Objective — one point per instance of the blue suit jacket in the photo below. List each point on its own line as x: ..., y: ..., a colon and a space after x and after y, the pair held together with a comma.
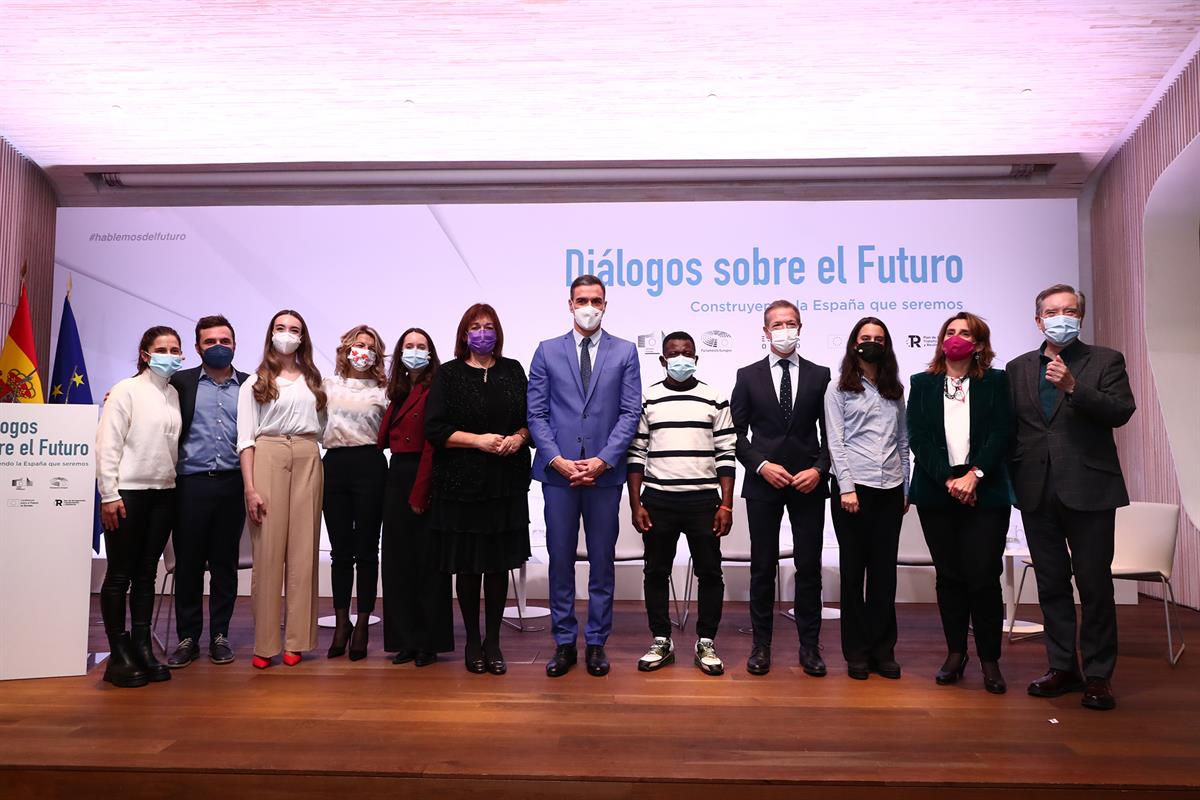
x: 564, y: 422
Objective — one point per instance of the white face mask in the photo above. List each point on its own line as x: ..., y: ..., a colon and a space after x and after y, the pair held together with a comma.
x: 361, y: 358
x: 285, y: 342
x: 588, y: 317
x: 784, y: 339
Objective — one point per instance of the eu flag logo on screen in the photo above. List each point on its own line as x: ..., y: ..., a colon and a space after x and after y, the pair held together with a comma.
x: 69, y: 383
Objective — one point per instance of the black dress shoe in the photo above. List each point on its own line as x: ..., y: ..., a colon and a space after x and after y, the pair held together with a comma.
x: 993, y: 681
x: 185, y: 653
x: 759, y: 662
x: 597, y: 660
x: 404, y: 656
x: 1098, y: 695
x: 563, y: 659
x: 952, y: 669
x: 811, y: 661
x: 474, y: 659
x: 143, y: 654
x: 424, y: 658
x: 494, y: 659
x: 1056, y: 683
x: 219, y: 650
x: 885, y: 668
x: 859, y: 670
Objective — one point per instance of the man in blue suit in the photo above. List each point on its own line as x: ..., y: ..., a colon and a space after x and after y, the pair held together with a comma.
x: 585, y: 393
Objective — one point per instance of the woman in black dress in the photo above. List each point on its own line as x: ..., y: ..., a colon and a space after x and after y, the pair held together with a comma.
x: 479, y: 512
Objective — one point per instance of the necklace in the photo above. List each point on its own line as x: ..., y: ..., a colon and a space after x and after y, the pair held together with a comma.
x: 953, y: 388
x: 477, y: 365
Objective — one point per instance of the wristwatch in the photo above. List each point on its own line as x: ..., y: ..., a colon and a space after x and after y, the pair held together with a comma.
x: 978, y: 473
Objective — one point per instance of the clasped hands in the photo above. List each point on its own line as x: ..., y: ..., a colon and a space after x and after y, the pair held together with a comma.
x: 803, y: 481
x: 580, y: 473
x: 962, y: 489
x: 499, y: 445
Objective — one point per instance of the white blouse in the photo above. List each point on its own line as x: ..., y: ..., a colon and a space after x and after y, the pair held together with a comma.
x: 355, y: 408
x: 137, y: 443
x: 957, y: 412
x: 292, y: 413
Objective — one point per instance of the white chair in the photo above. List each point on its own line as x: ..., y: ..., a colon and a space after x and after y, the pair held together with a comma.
x: 735, y: 549
x: 913, y: 551
x: 1145, y: 551
x: 245, y: 561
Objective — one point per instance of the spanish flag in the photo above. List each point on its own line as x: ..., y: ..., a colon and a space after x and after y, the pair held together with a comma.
x: 19, y: 381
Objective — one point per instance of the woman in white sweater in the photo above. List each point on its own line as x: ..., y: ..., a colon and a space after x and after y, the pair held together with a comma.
x: 136, y: 448
x: 356, y: 472
x: 281, y: 415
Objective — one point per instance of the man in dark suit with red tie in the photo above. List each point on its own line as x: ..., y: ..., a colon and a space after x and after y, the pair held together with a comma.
x: 778, y: 411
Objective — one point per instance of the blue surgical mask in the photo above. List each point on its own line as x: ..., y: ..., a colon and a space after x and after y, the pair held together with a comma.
x: 681, y: 368
x: 165, y: 364
x: 218, y: 356
x: 415, y: 358
x: 1061, y: 330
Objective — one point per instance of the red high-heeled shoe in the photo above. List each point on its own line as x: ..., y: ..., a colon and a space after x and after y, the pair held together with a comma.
x: 258, y: 662
x: 292, y: 659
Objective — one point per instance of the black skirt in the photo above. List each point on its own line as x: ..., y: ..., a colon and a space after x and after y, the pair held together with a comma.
x: 477, y: 537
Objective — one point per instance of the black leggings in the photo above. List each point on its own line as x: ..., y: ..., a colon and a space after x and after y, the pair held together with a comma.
x: 133, y: 550
x: 353, y: 504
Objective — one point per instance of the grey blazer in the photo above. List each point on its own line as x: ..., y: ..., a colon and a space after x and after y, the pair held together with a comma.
x: 1075, y: 446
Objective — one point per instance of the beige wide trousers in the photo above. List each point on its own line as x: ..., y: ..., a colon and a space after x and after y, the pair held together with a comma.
x: 289, y: 477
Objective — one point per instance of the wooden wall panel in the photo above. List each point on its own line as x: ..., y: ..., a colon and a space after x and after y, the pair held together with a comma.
x: 1118, y: 308
x: 28, y: 211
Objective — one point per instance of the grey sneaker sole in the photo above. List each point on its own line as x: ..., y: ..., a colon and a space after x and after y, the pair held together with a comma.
x: 644, y: 666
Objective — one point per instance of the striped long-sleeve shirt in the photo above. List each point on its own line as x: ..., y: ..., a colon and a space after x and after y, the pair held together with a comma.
x: 684, y: 443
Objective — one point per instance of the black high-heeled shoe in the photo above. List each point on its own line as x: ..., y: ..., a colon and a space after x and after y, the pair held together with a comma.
x: 952, y: 669
x: 341, y: 633
x: 360, y: 638
x: 993, y: 681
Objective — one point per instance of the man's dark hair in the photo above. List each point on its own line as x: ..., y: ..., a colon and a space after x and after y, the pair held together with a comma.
x: 214, y: 321
x: 682, y: 336
x: 588, y: 280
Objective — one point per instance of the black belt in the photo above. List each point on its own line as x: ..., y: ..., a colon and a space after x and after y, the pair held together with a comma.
x: 213, y: 473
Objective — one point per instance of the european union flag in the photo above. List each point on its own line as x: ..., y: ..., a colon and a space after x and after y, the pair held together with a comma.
x: 69, y: 382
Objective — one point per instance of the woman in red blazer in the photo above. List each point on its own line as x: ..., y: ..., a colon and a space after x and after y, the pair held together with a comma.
x: 417, y: 617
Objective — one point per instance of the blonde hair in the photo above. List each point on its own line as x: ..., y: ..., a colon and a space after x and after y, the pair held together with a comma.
x: 341, y: 360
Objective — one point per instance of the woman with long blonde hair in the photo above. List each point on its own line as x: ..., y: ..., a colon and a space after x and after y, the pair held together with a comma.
x: 281, y: 416
x: 357, y: 470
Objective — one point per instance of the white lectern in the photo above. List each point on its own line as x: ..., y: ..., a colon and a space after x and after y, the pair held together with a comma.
x: 47, y: 499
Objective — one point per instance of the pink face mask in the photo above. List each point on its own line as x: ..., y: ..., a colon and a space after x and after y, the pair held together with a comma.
x: 957, y: 348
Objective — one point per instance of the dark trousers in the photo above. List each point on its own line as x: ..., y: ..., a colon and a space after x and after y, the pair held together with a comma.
x: 867, y: 546
x: 417, y: 610
x: 661, y: 542
x: 133, y: 550
x: 967, y: 545
x: 353, y: 506
x: 1050, y: 531
x: 807, y: 515
x: 208, y: 531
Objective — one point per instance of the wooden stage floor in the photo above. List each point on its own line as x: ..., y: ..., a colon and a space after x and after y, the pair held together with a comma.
x: 370, y: 729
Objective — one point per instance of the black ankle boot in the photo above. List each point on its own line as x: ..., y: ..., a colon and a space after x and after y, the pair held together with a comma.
x: 143, y: 654
x: 362, y: 635
x: 122, y: 670
x: 341, y: 633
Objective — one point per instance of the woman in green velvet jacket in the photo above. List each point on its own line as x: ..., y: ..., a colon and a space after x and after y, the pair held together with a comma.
x: 959, y: 427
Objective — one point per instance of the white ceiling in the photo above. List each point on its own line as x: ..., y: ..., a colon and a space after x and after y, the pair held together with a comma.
x: 251, y: 81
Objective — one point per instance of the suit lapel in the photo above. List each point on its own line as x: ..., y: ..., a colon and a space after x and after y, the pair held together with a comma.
x: 416, y: 392
x: 1032, y: 380
x: 568, y: 344
x: 597, y: 365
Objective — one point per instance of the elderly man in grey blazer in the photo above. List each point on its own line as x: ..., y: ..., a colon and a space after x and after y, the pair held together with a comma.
x: 1067, y: 397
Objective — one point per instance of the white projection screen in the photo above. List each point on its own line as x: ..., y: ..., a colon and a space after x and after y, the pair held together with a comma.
x: 705, y: 268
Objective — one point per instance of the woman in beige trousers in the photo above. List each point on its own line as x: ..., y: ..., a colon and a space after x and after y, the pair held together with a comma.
x: 281, y: 416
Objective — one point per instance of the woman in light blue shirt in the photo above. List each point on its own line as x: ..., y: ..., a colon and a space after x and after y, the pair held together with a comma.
x: 868, y: 447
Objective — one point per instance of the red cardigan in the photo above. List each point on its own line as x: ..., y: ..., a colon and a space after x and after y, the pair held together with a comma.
x: 403, y: 431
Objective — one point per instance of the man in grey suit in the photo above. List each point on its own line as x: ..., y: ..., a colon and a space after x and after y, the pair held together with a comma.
x: 1067, y: 397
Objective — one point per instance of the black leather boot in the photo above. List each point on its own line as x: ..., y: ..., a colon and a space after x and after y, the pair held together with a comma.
x: 122, y: 670
x: 143, y: 654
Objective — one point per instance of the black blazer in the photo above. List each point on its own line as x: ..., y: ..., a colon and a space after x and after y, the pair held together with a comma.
x: 761, y: 435
x: 991, y: 432
x: 1075, y: 446
x: 186, y: 382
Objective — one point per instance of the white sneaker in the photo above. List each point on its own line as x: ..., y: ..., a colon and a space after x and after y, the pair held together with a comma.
x: 661, y: 653
x: 707, y: 659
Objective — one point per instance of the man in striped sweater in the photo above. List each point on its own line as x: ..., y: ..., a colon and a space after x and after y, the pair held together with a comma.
x: 682, y: 464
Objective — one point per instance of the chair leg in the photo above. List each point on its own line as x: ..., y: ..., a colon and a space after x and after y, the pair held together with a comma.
x: 1173, y: 655
x: 1017, y: 603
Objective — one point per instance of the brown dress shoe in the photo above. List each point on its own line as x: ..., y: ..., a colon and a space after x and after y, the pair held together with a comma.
x: 1056, y: 683
x: 1098, y: 695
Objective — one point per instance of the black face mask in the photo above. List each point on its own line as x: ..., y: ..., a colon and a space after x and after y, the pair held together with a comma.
x: 870, y: 352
